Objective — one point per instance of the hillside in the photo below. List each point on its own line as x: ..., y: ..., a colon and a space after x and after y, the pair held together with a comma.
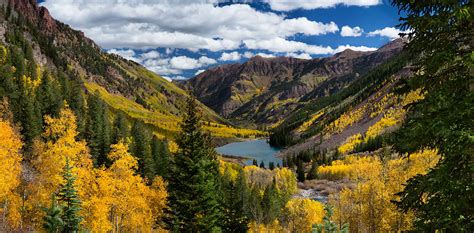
x: 266, y: 90
x: 124, y: 85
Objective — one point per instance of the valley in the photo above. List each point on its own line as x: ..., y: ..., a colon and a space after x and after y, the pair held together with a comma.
x: 152, y: 124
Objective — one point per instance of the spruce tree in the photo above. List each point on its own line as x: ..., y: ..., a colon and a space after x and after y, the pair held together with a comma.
x: 98, y: 132
x: 441, y: 39
x: 140, y: 148
x: 194, y: 201
x: 70, y: 202
x: 300, y: 171
x: 160, y: 155
x: 271, y: 203
x: 235, y: 195
x: 52, y: 221
x: 120, y: 127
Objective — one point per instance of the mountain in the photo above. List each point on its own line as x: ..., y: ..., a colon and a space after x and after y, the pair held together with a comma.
x: 123, y: 84
x: 266, y: 90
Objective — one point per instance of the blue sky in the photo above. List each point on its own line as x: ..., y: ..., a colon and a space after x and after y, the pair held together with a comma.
x: 180, y: 38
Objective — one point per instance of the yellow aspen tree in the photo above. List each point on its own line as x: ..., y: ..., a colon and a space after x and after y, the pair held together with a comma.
x: 302, y: 213
x: 10, y: 171
x: 50, y: 157
x: 131, y: 208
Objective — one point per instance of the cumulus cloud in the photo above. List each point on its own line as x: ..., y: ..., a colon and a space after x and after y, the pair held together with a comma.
x: 353, y: 32
x: 389, y: 32
x: 289, y: 5
x: 232, y: 56
x: 299, y: 55
x: 193, y: 25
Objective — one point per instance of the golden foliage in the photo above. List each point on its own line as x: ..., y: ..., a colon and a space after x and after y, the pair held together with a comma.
x: 309, y: 122
x: 301, y: 214
x: 368, y: 207
x: 10, y: 171
x: 350, y: 143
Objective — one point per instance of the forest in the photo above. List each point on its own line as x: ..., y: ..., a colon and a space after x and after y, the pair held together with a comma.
x: 72, y: 162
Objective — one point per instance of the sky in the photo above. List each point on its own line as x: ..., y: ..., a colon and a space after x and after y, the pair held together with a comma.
x: 178, y: 39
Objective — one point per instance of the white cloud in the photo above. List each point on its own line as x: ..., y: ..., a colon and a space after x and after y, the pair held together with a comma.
x: 150, y: 55
x: 341, y: 48
x: 167, y: 78
x: 286, y: 46
x: 203, y: 61
x: 248, y: 54
x: 193, y: 25
x: 233, y: 56
x: 179, y: 77
x: 289, y: 5
x: 125, y: 53
x: 299, y: 55
x: 353, y: 32
x: 266, y: 55
x: 389, y: 32
x: 199, y: 71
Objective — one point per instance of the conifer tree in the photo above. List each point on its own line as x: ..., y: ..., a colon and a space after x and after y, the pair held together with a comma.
x: 300, y: 171
x: 120, y: 128
x: 70, y: 202
x: 271, y: 203
x: 262, y: 164
x: 53, y: 222
x: 140, y: 148
x: 160, y: 155
x: 235, y: 196
x: 194, y: 200
x: 98, y: 131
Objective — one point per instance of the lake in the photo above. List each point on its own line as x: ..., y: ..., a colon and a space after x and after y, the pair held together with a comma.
x: 253, y: 149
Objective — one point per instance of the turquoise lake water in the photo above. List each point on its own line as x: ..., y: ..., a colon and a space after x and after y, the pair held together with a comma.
x: 254, y: 149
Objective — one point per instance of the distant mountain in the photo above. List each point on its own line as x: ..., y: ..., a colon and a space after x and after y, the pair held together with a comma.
x: 124, y: 85
x: 265, y: 90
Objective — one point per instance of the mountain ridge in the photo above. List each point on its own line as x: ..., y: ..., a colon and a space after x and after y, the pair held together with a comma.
x: 255, y: 90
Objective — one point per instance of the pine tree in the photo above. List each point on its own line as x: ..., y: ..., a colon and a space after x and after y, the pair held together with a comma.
x: 193, y: 185
x: 255, y: 163
x: 70, y: 202
x: 313, y: 172
x: 441, y: 37
x: 49, y: 95
x: 53, y: 222
x: 160, y: 155
x: 300, y: 171
x: 140, y: 148
x: 271, y: 165
x: 120, y: 128
x: 262, y: 164
x: 98, y: 132
x: 271, y: 203
x: 235, y: 196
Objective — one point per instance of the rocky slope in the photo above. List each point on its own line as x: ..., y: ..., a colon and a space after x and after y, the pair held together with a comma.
x: 265, y: 90
x: 124, y: 85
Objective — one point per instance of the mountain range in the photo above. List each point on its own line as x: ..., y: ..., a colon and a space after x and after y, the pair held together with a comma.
x: 265, y: 90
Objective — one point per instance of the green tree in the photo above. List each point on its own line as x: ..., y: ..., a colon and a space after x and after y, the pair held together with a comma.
x: 98, y: 132
x: 194, y: 200
x: 161, y: 156
x: 52, y: 221
x: 271, y: 203
x: 441, y: 41
x: 235, y: 196
x: 313, y: 172
x: 300, y: 171
x: 70, y: 202
x: 329, y: 226
x: 49, y: 95
x: 140, y: 148
x: 120, y: 127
